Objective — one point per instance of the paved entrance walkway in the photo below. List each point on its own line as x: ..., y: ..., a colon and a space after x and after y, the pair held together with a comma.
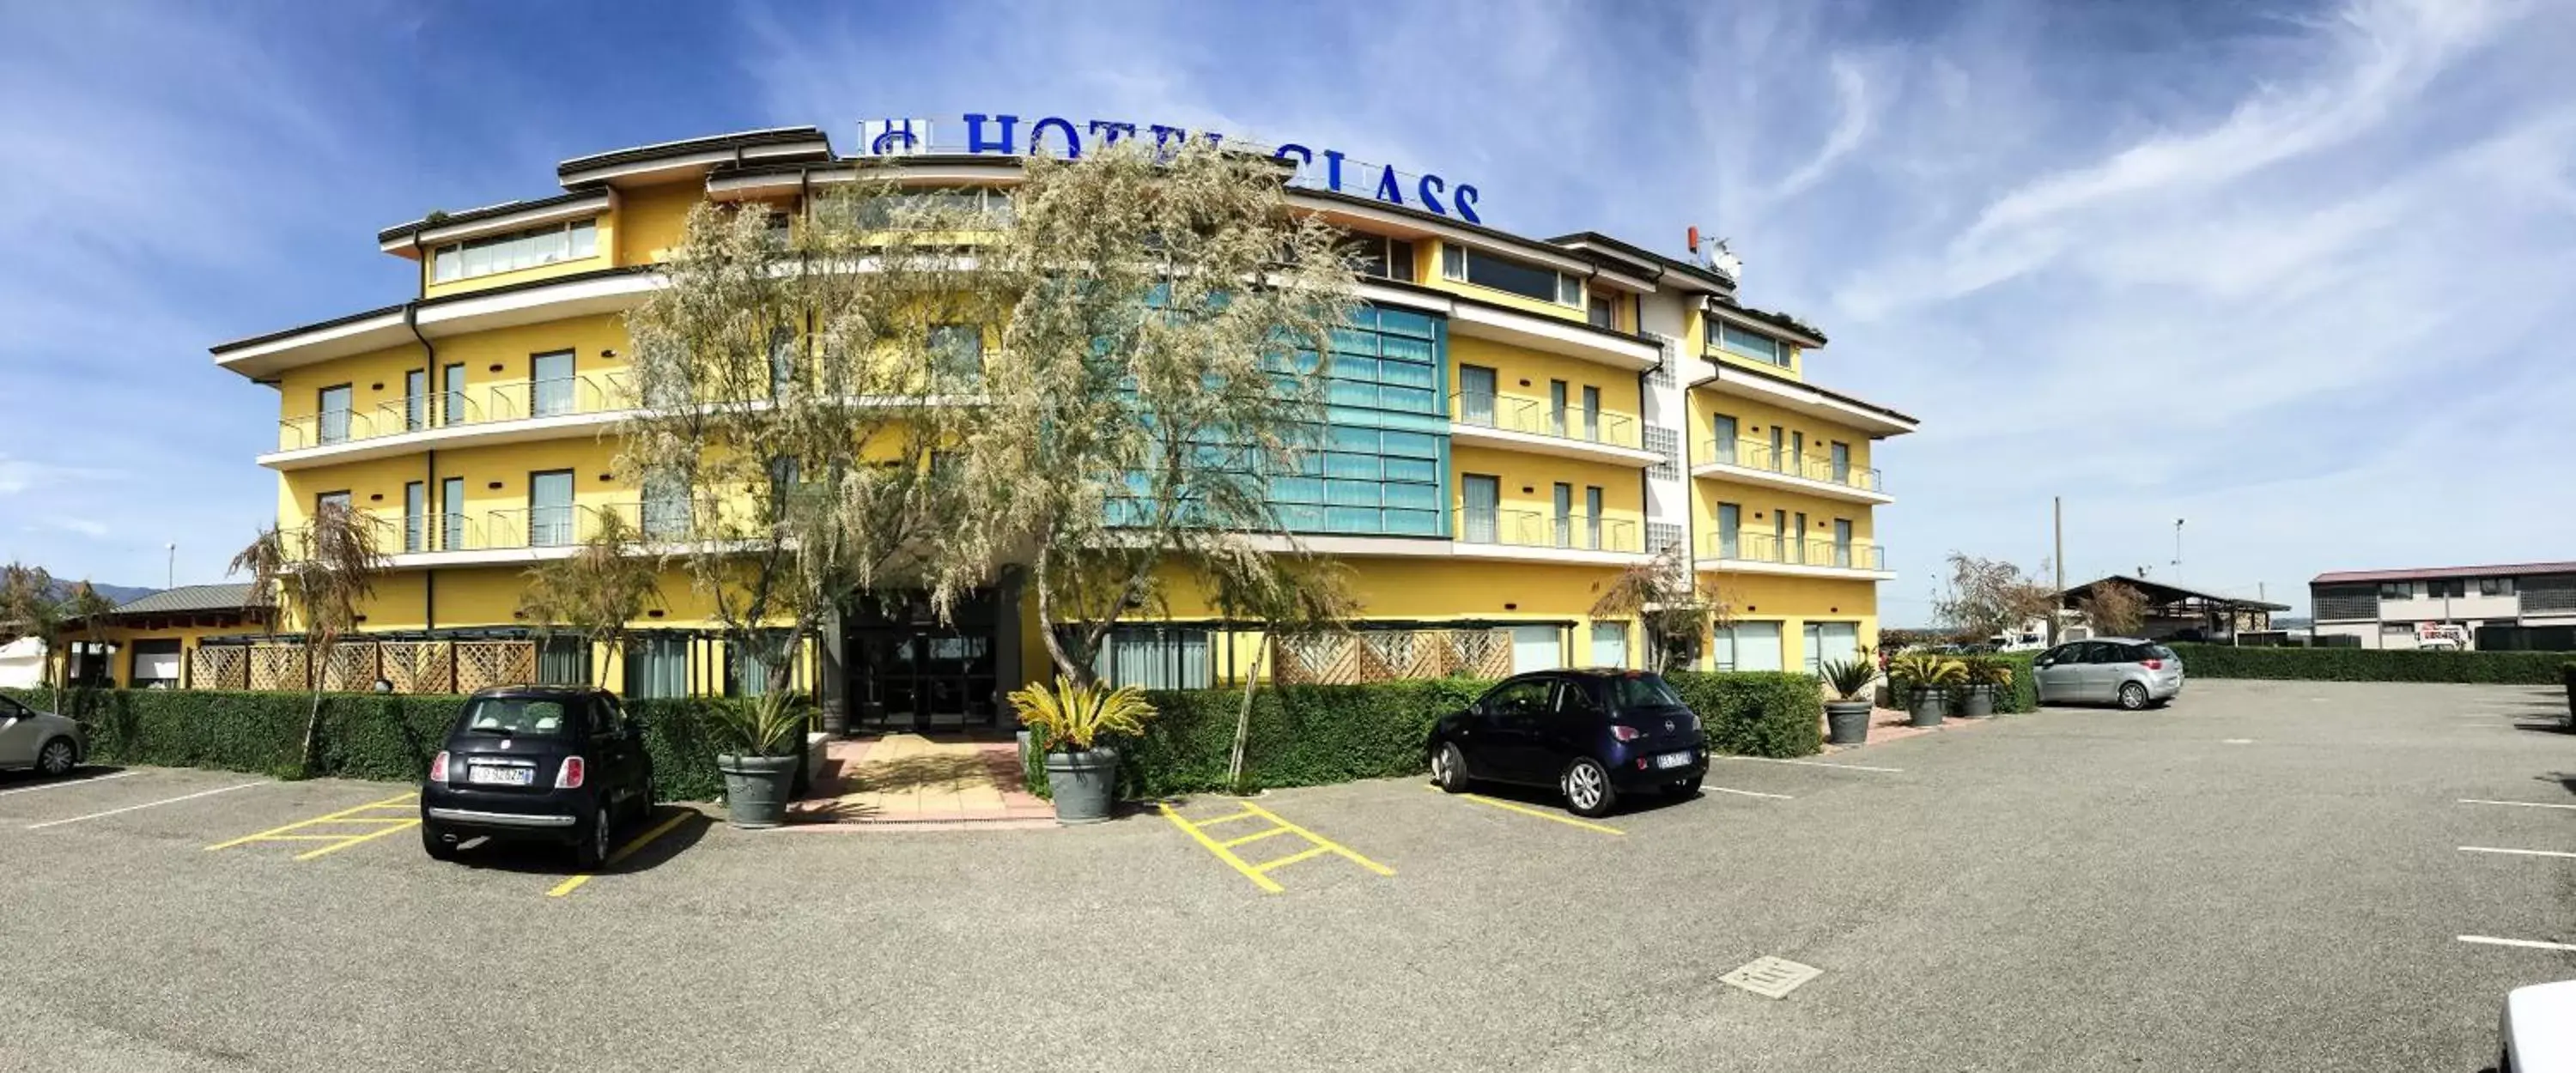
x: 910, y: 779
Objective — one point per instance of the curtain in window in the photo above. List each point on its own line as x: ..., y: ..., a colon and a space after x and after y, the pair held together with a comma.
x: 657, y: 665
x: 563, y: 661
x: 1155, y: 657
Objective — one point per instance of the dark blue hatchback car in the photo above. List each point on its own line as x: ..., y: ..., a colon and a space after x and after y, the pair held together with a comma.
x: 1592, y: 734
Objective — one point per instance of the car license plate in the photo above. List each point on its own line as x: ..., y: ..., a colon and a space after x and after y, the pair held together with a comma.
x: 1680, y: 759
x: 501, y: 776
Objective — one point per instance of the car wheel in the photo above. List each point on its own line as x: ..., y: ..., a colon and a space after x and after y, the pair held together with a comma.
x: 2133, y: 696
x: 57, y: 757
x: 592, y: 850
x: 1587, y: 787
x: 1449, y: 768
x: 433, y: 841
x: 1686, y: 788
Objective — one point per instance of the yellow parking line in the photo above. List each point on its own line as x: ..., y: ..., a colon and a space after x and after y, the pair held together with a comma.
x: 1543, y: 814
x: 1310, y: 851
x: 1254, y: 837
x: 275, y: 832
x: 370, y: 836
x: 1320, y: 840
x: 1227, y: 816
x: 574, y: 883
x: 1222, y: 853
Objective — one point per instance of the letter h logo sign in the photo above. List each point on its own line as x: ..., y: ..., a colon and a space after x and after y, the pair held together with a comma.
x: 893, y: 137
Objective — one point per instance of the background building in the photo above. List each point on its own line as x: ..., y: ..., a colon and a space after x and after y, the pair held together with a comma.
x: 2503, y: 606
x: 2175, y: 613
x: 1514, y: 420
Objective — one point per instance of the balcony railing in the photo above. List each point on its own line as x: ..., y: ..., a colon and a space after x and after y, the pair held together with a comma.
x: 1743, y: 547
x: 512, y: 400
x: 1532, y: 529
x: 1539, y: 418
x: 1755, y: 454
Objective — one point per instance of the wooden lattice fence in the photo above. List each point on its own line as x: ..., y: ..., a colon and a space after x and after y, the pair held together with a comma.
x: 1388, y: 655
x: 278, y: 667
x: 484, y: 664
x: 219, y: 667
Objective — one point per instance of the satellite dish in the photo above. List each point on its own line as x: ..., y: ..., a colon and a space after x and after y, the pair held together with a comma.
x: 1725, y: 260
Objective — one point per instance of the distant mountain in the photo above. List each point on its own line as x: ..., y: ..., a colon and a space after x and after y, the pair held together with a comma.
x: 115, y: 594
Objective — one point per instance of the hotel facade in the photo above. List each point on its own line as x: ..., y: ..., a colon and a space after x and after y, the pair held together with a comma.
x: 1514, y: 421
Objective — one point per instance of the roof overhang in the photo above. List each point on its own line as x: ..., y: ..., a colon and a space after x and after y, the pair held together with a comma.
x: 1808, y: 399
x: 1502, y: 324
x: 672, y: 161
x: 574, y: 296
x: 407, y: 239
x: 1743, y: 318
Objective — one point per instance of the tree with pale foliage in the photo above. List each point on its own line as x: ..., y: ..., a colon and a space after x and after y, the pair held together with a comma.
x: 319, y: 576
x: 1166, y: 323
x: 794, y: 389
x: 1673, y: 601
x: 599, y: 591
x: 2114, y: 609
x: 33, y: 604
x: 1992, y: 596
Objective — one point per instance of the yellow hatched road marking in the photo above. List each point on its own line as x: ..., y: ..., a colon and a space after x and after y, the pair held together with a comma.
x: 638, y: 842
x: 368, y: 837
x: 279, y: 833
x: 1254, y: 837
x: 1320, y: 840
x: 1228, y: 816
x: 1543, y: 814
x: 1310, y: 851
x: 1222, y: 853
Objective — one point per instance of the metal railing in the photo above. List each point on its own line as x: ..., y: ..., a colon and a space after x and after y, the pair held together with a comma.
x: 1744, y: 547
x: 1513, y: 413
x: 1755, y: 454
x: 1534, y: 529
x: 509, y: 400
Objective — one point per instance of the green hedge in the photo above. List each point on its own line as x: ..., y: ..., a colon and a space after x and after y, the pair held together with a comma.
x: 1756, y: 713
x: 2371, y: 665
x: 382, y: 737
x: 1313, y: 735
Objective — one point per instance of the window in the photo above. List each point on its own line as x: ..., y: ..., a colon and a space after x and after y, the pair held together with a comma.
x: 451, y: 506
x: 1556, y: 407
x: 1723, y: 435
x: 1592, y: 414
x: 1476, y: 395
x: 957, y: 349
x: 1841, y: 454
x: 782, y: 359
x: 550, y: 384
x: 1730, y: 520
x: 550, y: 509
x: 1592, y: 517
x: 913, y: 208
x: 657, y: 665
x: 1483, y: 495
x: 2396, y: 590
x: 1564, y: 502
x: 522, y: 717
x: 2446, y: 588
x: 1155, y: 657
x: 747, y: 673
x: 1747, y: 344
x: 333, y: 425
x: 1842, y: 542
x: 1749, y: 646
x: 666, y: 506
x: 415, y: 514
x: 563, y: 661
x: 1576, y: 701
x: 1528, y: 696
x: 451, y: 409
x: 1461, y: 264
x: 2397, y: 629
x: 515, y: 250
x: 1610, y: 644
x: 2495, y: 586
x: 1605, y: 311
x: 331, y: 500
x: 415, y: 400
x: 1382, y: 257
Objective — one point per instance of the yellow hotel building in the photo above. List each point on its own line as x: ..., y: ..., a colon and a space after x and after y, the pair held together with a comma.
x: 1515, y: 420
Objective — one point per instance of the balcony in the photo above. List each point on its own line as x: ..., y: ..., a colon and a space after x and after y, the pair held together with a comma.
x: 1763, y: 553
x: 520, y: 534
x: 1531, y: 425
x: 1530, y: 536
x: 503, y: 412
x: 1755, y: 462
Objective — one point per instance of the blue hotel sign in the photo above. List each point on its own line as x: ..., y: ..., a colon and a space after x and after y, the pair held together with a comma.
x: 1002, y: 134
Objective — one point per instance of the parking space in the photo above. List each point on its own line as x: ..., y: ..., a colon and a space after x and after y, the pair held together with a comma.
x: 2266, y: 874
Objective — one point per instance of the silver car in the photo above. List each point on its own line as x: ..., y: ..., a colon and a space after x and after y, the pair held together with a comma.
x: 41, y: 740
x: 2109, y: 670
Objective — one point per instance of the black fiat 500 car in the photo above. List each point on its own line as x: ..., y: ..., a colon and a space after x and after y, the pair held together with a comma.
x: 1592, y: 734
x: 563, y: 764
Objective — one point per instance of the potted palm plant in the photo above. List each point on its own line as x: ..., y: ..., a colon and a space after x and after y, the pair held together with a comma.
x: 1847, y: 714
x: 756, y: 751
x: 1983, y: 675
x: 1069, y: 722
x: 1928, y: 680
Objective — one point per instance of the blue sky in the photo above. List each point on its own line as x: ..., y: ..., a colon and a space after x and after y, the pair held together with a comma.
x: 2300, y: 274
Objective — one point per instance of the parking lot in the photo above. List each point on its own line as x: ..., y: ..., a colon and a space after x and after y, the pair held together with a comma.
x: 2264, y: 875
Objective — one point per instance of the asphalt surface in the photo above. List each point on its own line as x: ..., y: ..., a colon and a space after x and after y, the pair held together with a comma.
x: 2265, y: 875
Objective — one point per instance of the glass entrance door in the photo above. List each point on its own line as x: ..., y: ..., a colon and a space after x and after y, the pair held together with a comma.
x: 907, y: 671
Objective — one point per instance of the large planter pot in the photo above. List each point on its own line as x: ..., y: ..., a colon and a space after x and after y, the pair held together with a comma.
x: 756, y: 788
x: 1979, y: 703
x: 1930, y: 704
x: 1083, y: 784
x: 1847, y: 722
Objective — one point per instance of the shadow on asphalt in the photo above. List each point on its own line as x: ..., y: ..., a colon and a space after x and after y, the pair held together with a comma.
x: 11, y: 780
x: 1631, y: 803
x: 546, y: 858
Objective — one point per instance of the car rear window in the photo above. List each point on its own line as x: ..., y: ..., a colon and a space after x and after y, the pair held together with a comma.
x: 535, y: 717
x: 2161, y: 652
x: 1640, y: 690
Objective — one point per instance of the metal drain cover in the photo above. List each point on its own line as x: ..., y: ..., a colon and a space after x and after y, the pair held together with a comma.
x: 1772, y: 977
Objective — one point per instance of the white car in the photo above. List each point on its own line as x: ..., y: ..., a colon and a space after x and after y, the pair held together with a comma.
x: 41, y: 740
x: 2539, y: 1029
